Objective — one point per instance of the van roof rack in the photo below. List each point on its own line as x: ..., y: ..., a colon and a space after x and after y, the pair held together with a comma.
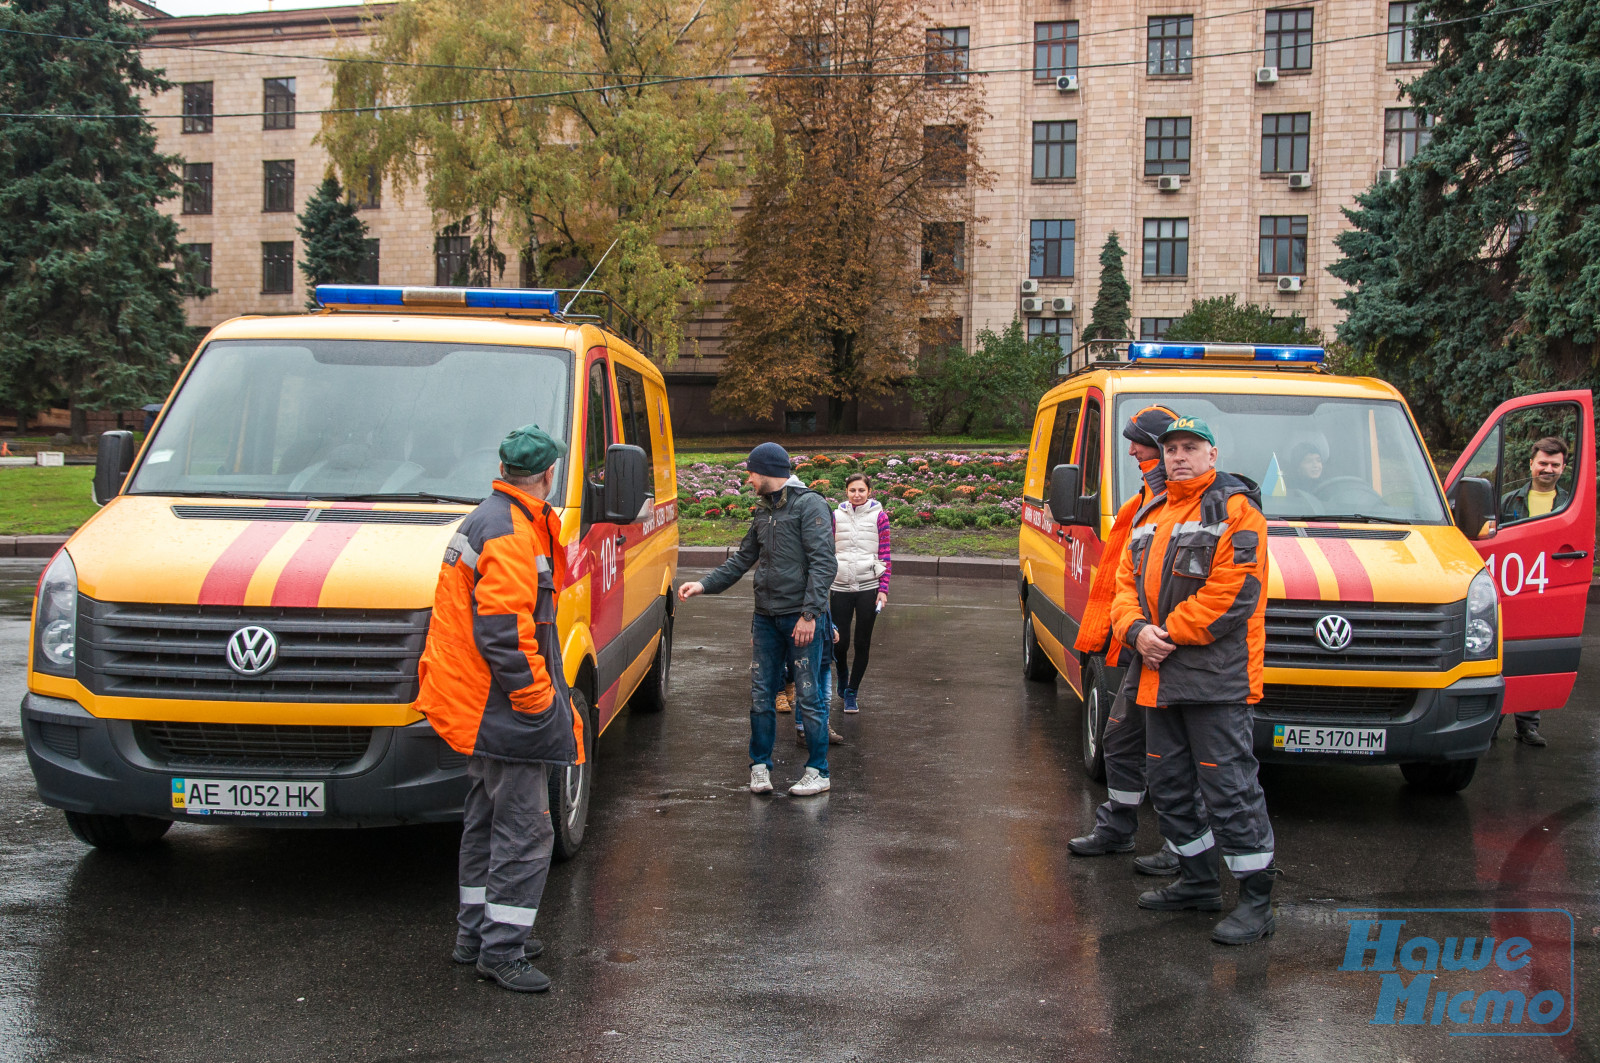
x: 1120, y: 355
x: 594, y: 306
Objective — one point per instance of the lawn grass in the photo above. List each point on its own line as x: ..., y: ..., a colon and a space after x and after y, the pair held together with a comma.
x: 39, y: 501
x: 931, y: 541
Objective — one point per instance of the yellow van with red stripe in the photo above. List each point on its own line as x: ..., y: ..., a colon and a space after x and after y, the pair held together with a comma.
x: 1384, y: 625
x: 234, y: 636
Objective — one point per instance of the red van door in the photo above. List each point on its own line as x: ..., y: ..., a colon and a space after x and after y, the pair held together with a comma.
x: 1538, y: 452
x: 603, y: 542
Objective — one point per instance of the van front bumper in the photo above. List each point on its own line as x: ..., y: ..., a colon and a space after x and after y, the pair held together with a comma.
x: 83, y: 763
x: 1456, y: 722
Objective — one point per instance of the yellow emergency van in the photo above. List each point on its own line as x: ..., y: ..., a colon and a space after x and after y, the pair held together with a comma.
x: 1384, y: 622
x: 233, y: 638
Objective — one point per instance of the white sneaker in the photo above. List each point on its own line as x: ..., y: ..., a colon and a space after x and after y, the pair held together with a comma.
x: 812, y: 782
x: 760, y: 779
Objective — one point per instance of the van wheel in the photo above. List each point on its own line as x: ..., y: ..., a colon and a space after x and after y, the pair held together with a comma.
x: 117, y: 833
x: 1036, y: 667
x: 651, y: 696
x: 1450, y: 777
x: 571, y: 786
x: 1096, y: 700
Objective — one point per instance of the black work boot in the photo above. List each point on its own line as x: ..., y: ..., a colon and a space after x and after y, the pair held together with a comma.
x: 1198, y: 889
x: 519, y: 975
x: 1253, y: 919
x: 467, y: 954
x: 1161, y: 862
x: 1097, y: 844
x: 1530, y: 736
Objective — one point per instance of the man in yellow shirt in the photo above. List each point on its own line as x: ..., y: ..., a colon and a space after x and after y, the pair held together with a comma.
x: 1541, y: 496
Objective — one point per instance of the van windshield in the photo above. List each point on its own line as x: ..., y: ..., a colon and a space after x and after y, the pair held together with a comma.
x: 1315, y: 458
x: 351, y: 419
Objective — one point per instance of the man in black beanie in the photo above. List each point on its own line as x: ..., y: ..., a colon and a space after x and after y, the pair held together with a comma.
x: 790, y: 544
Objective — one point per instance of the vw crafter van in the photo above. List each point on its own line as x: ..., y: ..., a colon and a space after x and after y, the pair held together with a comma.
x: 1403, y: 615
x: 233, y: 638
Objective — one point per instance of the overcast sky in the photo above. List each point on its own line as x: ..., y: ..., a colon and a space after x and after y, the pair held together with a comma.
x: 233, y: 7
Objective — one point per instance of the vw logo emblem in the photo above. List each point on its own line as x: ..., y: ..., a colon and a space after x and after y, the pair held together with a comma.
x: 1334, y: 632
x: 252, y: 650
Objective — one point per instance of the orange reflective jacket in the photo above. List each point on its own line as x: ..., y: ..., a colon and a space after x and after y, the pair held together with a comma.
x: 1196, y: 565
x: 1094, y: 633
x: 491, y: 678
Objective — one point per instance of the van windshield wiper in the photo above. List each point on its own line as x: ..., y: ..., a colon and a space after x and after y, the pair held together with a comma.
x: 217, y: 494
x: 1346, y: 518
x: 403, y: 496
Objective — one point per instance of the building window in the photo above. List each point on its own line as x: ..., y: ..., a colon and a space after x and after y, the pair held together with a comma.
x: 452, y: 257
x: 369, y: 197
x: 277, y: 107
x: 197, y: 188
x: 1055, y: 150
x: 1055, y: 49
x: 1051, y: 246
x: 1057, y: 330
x: 946, y: 56
x: 1405, y: 133
x: 1166, y: 146
x: 936, y: 336
x: 1171, y: 45
x: 1166, y: 247
x: 1522, y: 223
x: 278, y: 186
x: 202, y: 273
x: 368, y: 273
x: 1283, y: 244
x: 944, y: 257
x: 1403, y: 46
x: 1152, y: 329
x: 277, y: 267
x: 944, y: 150
x: 1285, y: 143
x: 197, y: 107
x: 1289, y: 39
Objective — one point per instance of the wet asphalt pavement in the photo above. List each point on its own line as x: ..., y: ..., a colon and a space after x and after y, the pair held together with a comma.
x: 926, y: 909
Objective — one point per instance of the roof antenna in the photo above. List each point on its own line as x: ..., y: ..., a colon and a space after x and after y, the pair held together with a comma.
x: 590, y: 277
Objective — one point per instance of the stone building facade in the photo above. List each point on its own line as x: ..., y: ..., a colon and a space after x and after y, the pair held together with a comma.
x: 1219, y: 143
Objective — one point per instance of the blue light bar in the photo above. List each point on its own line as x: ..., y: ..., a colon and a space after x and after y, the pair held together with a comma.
x: 469, y: 298
x: 1224, y: 352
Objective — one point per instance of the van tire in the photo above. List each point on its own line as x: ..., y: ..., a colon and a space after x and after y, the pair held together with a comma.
x: 1096, y: 700
x: 651, y: 695
x: 1036, y: 666
x: 117, y: 833
x: 571, y: 788
x: 1451, y: 777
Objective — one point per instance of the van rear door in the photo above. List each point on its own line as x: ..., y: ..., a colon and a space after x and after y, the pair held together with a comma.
x: 1542, y: 561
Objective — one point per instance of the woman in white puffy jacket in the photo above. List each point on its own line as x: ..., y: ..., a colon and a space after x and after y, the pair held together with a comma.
x: 861, y: 588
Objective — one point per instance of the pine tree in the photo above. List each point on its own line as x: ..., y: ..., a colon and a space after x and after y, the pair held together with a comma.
x: 1109, y: 319
x: 92, y: 275
x: 1224, y: 319
x: 334, y: 238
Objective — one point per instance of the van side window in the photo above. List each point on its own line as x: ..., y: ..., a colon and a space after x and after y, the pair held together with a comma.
x: 595, y: 435
x: 1532, y: 482
x: 1089, y: 452
x: 635, y: 412
x: 1061, y: 437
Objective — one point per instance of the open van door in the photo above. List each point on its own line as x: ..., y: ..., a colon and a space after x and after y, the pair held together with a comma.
x: 1541, y: 552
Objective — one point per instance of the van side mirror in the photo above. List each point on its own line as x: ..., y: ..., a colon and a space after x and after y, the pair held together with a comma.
x: 1473, y: 503
x: 627, y: 483
x: 1066, y: 486
x: 111, y: 464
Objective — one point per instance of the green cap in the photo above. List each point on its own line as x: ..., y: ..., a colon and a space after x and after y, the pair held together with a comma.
x: 1193, y: 425
x: 529, y: 451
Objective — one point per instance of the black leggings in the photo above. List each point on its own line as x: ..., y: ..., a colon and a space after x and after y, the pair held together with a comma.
x: 861, y: 609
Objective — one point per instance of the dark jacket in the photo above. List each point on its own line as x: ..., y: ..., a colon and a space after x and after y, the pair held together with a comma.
x: 1514, y: 504
x: 790, y: 543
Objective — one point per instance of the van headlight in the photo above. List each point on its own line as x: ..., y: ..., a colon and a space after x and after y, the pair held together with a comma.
x: 55, y: 619
x: 1483, y: 618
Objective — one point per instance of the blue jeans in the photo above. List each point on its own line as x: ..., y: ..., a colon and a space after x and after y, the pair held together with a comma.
x: 772, y: 647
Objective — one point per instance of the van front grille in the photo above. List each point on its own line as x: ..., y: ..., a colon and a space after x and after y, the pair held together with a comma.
x: 1291, y: 701
x: 1386, y: 636
x: 232, y: 745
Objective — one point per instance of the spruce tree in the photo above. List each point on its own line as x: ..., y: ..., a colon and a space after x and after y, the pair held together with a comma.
x: 1223, y: 319
x: 334, y: 238
x: 92, y: 276
x: 1109, y: 319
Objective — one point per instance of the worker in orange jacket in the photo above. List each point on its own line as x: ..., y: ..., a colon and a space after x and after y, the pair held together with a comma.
x: 1191, y: 600
x: 1122, y: 741
x: 492, y: 686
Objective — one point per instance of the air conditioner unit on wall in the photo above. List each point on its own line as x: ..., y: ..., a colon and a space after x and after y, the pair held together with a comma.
x: 1169, y: 183
x: 1067, y: 83
x: 1299, y: 180
x: 1266, y: 75
x: 1289, y: 284
x: 1030, y: 287
x: 1033, y: 306
x: 1385, y: 176
x: 1061, y: 304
